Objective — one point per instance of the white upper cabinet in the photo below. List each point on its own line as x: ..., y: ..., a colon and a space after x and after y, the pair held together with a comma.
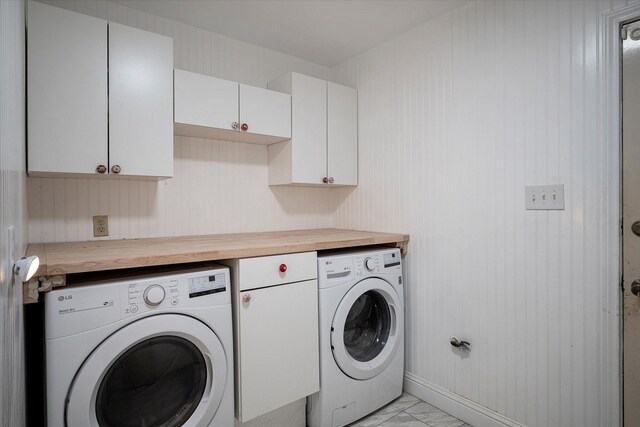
x: 342, y: 134
x: 204, y: 101
x: 67, y: 91
x: 140, y: 102
x: 208, y: 107
x: 265, y: 112
x: 324, y: 137
x: 100, y: 97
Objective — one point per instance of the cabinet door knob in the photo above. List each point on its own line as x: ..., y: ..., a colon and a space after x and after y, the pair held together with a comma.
x: 331, y: 180
x: 283, y: 268
x: 234, y: 125
x: 244, y: 127
x: 116, y: 168
x: 325, y: 180
x: 246, y: 297
x: 101, y: 169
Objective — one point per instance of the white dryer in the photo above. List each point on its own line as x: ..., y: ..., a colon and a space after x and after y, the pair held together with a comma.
x: 146, y: 350
x: 361, y: 309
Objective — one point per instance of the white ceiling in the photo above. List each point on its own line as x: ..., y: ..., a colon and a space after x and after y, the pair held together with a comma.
x: 326, y: 32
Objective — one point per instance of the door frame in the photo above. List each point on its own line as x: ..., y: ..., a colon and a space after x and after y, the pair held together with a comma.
x: 611, y: 133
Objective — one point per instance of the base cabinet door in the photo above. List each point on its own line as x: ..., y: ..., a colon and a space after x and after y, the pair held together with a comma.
x: 140, y: 102
x: 66, y: 91
x: 278, y: 347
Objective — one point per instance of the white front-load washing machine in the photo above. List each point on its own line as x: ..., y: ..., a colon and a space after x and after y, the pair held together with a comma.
x: 143, y: 350
x: 361, y: 309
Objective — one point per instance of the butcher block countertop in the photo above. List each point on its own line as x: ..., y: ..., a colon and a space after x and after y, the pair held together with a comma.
x: 60, y: 259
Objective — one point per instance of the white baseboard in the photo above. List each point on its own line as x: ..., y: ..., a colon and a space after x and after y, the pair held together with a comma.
x: 461, y: 408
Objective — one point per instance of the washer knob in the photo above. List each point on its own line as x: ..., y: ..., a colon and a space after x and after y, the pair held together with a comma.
x: 154, y: 295
x: 369, y: 264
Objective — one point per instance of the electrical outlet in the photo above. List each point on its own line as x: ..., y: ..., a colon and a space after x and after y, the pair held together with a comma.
x: 100, y: 225
x: 544, y: 197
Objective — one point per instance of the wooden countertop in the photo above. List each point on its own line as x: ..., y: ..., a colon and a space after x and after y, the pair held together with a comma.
x: 99, y: 255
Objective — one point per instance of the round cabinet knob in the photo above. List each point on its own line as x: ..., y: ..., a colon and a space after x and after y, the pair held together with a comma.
x: 116, y: 168
x: 369, y: 264
x: 325, y: 180
x: 101, y: 169
x: 154, y: 295
x: 234, y: 125
x: 283, y: 268
x: 331, y: 180
x: 635, y: 287
x: 244, y: 127
x: 246, y: 297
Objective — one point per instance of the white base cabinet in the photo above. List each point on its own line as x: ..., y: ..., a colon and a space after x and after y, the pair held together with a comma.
x: 323, y: 150
x: 100, y: 97
x: 213, y: 108
x: 275, y: 332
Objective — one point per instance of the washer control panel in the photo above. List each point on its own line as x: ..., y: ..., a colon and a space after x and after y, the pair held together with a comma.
x: 340, y: 268
x: 143, y: 296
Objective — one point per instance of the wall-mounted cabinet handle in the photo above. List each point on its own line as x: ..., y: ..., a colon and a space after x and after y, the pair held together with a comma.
x: 246, y: 297
x: 325, y: 180
x: 101, y: 169
x: 244, y: 127
x: 331, y: 180
x: 234, y: 125
x: 116, y: 169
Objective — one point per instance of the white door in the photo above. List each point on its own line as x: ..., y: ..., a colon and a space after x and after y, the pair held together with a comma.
x: 278, y: 347
x: 631, y: 221
x: 366, y: 329
x: 140, y: 102
x: 67, y: 91
x: 168, y: 370
x: 265, y: 112
x: 342, y: 134
x: 308, y: 129
x: 205, y: 101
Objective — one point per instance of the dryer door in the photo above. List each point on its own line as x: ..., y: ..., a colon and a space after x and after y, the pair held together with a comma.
x: 366, y: 328
x: 164, y: 370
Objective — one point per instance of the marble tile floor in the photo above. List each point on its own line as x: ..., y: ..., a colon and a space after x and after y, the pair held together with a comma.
x: 409, y: 411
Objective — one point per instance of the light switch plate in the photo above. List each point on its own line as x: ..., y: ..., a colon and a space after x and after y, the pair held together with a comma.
x: 544, y: 197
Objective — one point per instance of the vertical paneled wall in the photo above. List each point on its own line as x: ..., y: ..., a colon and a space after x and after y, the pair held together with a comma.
x: 12, y: 209
x: 218, y: 186
x: 455, y: 118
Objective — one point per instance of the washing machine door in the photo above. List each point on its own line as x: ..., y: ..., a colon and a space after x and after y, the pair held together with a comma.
x: 366, y: 329
x: 165, y: 370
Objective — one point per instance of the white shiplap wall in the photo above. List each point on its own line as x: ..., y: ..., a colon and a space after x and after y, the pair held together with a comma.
x: 12, y: 209
x: 218, y: 187
x: 455, y: 118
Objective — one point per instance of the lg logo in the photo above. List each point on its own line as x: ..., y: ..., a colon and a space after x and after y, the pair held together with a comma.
x: 65, y: 297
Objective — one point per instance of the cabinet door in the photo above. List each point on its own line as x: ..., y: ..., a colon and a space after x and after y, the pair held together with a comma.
x: 279, y: 358
x: 265, y: 112
x: 342, y: 134
x: 140, y: 102
x: 205, y: 101
x: 309, y: 129
x: 67, y: 91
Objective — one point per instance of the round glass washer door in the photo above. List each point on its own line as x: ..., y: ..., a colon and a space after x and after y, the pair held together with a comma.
x: 166, y: 370
x: 366, y: 329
